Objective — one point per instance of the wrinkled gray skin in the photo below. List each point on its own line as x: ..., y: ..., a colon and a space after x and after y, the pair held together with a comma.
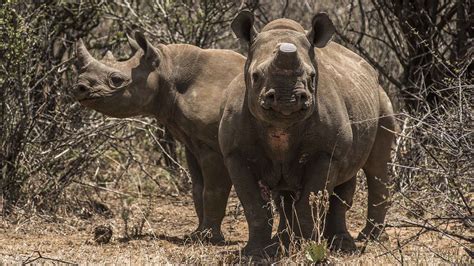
x: 304, y: 116
x: 183, y: 87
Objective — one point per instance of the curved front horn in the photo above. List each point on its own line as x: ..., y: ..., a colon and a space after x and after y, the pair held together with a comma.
x: 83, y: 56
x: 286, y: 57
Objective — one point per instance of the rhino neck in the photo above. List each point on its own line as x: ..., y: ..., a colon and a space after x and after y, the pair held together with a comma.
x: 186, y: 65
x: 183, y: 75
x: 163, y: 104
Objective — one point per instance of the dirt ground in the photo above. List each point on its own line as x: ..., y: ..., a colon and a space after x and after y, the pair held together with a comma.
x: 167, y: 218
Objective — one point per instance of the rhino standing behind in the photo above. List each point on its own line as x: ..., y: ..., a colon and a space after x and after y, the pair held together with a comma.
x: 299, y: 120
x: 183, y: 87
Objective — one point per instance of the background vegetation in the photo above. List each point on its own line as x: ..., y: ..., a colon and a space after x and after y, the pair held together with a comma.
x: 57, y: 157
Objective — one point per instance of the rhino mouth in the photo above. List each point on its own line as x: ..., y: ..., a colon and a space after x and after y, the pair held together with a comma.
x: 285, y: 101
x: 85, y: 94
x: 90, y: 99
x: 94, y: 100
x: 275, y: 117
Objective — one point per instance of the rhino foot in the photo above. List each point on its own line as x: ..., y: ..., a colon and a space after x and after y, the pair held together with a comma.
x: 259, y: 253
x: 207, y: 236
x: 343, y: 243
x: 372, y: 233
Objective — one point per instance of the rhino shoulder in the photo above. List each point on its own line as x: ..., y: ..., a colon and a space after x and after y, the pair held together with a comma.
x: 341, y: 60
x: 234, y: 101
x: 233, y: 113
x: 353, y: 80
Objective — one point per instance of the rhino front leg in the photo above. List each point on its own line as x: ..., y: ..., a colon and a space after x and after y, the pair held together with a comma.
x: 257, y: 210
x: 336, y: 229
x: 217, y: 185
x: 198, y: 185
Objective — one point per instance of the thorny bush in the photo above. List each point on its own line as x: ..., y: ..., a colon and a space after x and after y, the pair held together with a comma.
x: 48, y: 141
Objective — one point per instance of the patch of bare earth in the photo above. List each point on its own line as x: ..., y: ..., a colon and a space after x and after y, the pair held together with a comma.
x: 151, y: 230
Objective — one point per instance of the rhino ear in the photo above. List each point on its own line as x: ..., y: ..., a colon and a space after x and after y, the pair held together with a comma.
x: 321, y: 31
x: 133, y: 44
x: 149, y: 52
x: 242, y: 26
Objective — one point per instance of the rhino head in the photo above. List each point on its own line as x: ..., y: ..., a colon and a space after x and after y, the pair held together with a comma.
x: 281, y: 72
x: 119, y: 88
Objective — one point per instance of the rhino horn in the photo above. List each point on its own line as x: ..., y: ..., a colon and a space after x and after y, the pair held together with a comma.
x: 286, y: 57
x: 109, y: 56
x: 83, y: 56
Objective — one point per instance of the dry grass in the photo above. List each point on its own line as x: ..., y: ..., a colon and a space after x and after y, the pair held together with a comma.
x: 74, y: 170
x: 167, y: 217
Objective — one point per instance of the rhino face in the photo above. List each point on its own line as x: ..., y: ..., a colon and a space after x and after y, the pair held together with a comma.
x: 281, y: 69
x: 117, y: 88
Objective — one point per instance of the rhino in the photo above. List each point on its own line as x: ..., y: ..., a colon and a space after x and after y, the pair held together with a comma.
x: 183, y: 87
x: 304, y: 116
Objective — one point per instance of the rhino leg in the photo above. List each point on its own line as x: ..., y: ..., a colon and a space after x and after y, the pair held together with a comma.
x: 319, y: 178
x: 198, y: 185
x: 217, y: 185
x: 336, y: 230
x: 257, y: 210
x: 378, y: 181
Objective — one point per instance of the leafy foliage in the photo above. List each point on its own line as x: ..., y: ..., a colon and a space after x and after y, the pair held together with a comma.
x: 316, y: 253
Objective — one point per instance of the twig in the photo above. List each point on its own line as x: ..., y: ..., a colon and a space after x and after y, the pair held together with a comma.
x: 102, y: 188
x: 30, y: 259
x: 432, y: 228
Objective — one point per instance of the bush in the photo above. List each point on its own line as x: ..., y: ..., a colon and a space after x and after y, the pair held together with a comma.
x: 50, y: 142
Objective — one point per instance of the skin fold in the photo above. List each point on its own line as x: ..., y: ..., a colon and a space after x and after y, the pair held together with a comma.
x: 305, y: 115
x: 183, y: 87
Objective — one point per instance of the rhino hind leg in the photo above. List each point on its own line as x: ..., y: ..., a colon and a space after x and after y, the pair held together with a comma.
x: 211, y: 187
x: 336, y: 231
x: 378, y: 181
x: 217, y: 185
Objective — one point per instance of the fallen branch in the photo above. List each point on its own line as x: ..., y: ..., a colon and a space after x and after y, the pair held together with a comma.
x: 30, y: 259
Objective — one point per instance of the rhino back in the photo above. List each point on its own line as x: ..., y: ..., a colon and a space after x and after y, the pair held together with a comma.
x: 201, y: 79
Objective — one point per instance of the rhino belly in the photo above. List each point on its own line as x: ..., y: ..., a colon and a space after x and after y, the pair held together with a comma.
x: 357, y: 156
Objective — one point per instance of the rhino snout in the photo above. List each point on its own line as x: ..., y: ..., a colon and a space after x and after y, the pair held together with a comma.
x: 269, y: 99
x: 81, y: 91
x: 285, y: 101
x: 302, y: 97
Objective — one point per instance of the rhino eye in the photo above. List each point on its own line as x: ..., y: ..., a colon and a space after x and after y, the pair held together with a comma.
x: 117, y: 80
x: 312, y: 78
x: 255, y: 77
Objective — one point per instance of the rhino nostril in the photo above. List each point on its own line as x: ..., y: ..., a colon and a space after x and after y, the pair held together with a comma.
x: 81, y: 91
x: 300, y: 95
x: 268, y: 99
x: 270, y: 95
x: 81, y: 88
x: 303, y: 97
